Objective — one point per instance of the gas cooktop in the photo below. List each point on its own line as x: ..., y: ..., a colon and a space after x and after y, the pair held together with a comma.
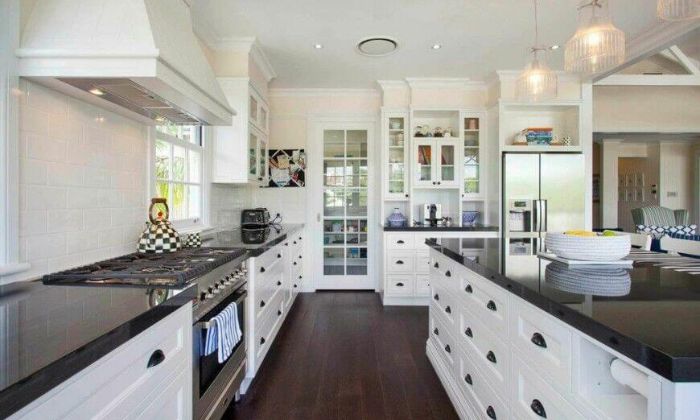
x: 148, y: 270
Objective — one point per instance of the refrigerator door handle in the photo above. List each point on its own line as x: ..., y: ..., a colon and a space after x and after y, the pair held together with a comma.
x: 543, y: 215
x: 537, y: 226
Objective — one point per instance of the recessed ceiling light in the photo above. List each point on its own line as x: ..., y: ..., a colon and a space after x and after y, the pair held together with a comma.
x: 437, y: 46
x: 554, y: 47
x: 96, y: 91
x: 318, y: 46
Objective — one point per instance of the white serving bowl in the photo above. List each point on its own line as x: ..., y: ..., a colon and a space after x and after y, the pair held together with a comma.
x: 589, y: 248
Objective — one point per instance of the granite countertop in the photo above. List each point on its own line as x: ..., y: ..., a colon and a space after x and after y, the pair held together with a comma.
x: 234, y: 238
x: 649, y: 314
x: 50, y: 333
x: 475, y: 228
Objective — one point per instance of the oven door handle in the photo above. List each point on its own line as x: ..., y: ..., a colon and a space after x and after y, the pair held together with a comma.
x: 205, y: 325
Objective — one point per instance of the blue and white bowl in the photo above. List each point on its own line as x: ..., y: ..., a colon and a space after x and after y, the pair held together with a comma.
x: 469, y: 217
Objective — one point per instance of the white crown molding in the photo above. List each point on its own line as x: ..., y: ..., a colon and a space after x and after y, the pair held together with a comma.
x: 261, y: 60
x: 246, y: 45
x: 650, y: 80
x: 280, y: 92
x: 445, y: 82
x: 392, y: 84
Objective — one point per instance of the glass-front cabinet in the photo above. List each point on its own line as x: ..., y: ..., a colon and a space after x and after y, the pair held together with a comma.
x: 435, y: 162
x: 473, y: 152
x: 257, y: 155
x: 396, y: 155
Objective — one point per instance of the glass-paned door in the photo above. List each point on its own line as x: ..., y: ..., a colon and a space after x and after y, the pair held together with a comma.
x: 471, y: 156
x: 423, y: 159
x: 396, y: 158
x: 262, y: 158
x: 252, y: 155
x: 345, y: 202
x: 448, y: 168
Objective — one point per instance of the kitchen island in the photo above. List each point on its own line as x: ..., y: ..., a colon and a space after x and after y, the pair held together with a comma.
x: 516, y: 336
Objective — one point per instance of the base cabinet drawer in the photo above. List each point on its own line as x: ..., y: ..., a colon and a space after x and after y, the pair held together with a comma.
x: 400, y: 285
x: 399, y: 241
x: 422, y: 285
x: 400, y: 262
x: 478, y: 392
x: 534, y: 399
x: 422, y: 263
x: 487, y: 352
x: 485, y: 301
x: 441, y: 337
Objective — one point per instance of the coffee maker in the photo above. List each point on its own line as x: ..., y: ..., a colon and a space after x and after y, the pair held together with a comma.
x: 431, y: 214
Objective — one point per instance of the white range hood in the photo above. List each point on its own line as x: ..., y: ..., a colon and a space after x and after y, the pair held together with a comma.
x: 141, y: 56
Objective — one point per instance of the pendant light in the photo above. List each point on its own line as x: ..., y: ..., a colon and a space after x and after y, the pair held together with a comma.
x: 597, y: 44
x: 537, y: 82
x: 675, y: 10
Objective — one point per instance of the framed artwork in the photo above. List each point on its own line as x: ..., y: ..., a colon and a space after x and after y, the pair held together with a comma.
x: 629, y: 180
x: 639, y: 194
x: 287, y: 168
x: 639, y: 179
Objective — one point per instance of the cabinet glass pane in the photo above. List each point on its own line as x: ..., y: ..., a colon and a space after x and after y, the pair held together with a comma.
x: 396, y: 155
x: 334, y: 261
x: 471, y: 155
x: 252, y: 154
x: 333, y: 232
x: 357, y: 232
x: 357, y: 261
x: 333, y: 173
x: 262, y: 160
x: 356, y: 173
x: 447, y: 163
x: 333, y: 202
x: 357, y: 144
x: 334, y: 144
x: 356, y: 202
x: 263, y: 118
x: 425, y: 162
x: 471, y: 139
x: 253, y: 108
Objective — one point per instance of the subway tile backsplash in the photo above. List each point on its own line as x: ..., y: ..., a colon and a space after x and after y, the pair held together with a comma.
x: 83, y: 182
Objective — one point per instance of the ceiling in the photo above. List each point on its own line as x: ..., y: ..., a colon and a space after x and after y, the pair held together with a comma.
x: 477, y: 37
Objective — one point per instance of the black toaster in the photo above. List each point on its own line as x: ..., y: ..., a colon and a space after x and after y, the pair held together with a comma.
x: 259, y: 217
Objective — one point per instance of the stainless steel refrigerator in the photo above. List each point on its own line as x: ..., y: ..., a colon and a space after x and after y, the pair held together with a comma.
x: 542, y: 192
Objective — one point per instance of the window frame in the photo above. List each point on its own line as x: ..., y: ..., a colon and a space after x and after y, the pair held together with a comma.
x: 190, y: 224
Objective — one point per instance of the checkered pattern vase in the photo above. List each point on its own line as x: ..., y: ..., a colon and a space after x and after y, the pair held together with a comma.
x: 193, y: 241
x: 159, y: 238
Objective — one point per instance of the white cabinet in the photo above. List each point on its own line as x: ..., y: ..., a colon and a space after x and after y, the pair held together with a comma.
x: 395, y: 155
x: 435, y: 162
x: 122, y: 385
x: 240, y: 150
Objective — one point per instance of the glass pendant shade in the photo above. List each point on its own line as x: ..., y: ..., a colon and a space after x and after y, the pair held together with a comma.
x: 537, y: 82
x: 597, y: 44
x: 675, y: 10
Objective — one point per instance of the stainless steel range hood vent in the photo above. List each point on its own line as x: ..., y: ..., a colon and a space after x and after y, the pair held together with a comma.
x: 141, y: 55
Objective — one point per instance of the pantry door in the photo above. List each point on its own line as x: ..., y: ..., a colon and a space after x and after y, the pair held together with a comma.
x: 341, y: 197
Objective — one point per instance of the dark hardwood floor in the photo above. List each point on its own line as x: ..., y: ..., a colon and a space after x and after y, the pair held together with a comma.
x: 342, y: 355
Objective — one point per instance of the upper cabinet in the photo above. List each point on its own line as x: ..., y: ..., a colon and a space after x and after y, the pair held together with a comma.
x: 395, y: 156
x: 436, y: 162
x: 473, y: 155
x: 240, y: 150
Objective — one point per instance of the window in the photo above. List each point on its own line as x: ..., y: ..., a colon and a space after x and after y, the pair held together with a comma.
x: 178, y: 172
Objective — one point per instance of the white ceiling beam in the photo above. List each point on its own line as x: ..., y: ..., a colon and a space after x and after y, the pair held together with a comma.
x: 689, y: 64
x: 658, y: 37
x: 650, y: 80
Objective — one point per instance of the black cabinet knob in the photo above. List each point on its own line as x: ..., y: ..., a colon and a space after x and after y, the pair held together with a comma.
x: 400, y: 241
x: 294, y: 263
x: 262, y: 303
x: 406, y: 195
x: 538, y: 408
x: 491, y: 305
x: 436, y: 331
x: 299, y: 256
x: 299, y: 276
x: 491, y: 357
x: 469, y: 289
x: 262, y: 269
x: 399, y: 262
x: 448, y: 274
x: 468, y: 333
x: 295, y: 242
x: 538, y: 340
x: 439, y: 183
x: 260, y: 178
x: 262, y: 340
x: 436, y: 297
x: 286, y: 244
x: 448, y: 309
x: 295, y: 286
x: 399, y: 284
x: 448, y: 349
x: 468, y: 379
x: 156, y: 358
x: 491, y: 413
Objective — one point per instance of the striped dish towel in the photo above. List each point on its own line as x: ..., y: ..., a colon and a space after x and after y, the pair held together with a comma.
x: 224, y: 333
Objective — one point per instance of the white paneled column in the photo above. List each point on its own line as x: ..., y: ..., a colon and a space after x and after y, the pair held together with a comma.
x: 609, y: 153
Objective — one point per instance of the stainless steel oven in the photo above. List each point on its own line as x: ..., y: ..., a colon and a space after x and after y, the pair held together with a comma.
x: 216, y: 385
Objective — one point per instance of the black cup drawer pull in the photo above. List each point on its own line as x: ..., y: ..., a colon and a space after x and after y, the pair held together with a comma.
x: 262, y: 269
x: 538, y: 340
x: 156, y: 358
x: 400, y: 241
x: 448, y: 349
x: 262, y: 303
x: 491, y: 357
x: 399, y: 284
x: 448, y: 309
x: 538, y: 408
x: 436, y: 331
x: 491, y: 305
x: 399, y: 262
x: 469, y: 289
x: 436, y: 297
x: 468, y: 332
x: 279, y: 313
x: 279, y: 255
x: 468, y: 379
x: 436, y: 265
x: 262, y: 340
x: 279, y: 283
x: 448, y: 274
x: 491, y: 413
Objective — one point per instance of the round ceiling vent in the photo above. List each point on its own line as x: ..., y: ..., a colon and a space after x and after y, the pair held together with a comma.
x: 377, y: 46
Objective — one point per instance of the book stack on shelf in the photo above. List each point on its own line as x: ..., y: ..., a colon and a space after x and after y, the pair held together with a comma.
x: 540, y: 136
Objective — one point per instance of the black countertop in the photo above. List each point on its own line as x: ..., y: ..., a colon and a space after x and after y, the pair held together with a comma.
x: 50, y: 333
x: 476, y: 228
x: 236, y: 238
x: 649, y: 314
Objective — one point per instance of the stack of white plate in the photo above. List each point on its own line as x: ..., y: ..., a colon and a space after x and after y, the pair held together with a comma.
x: 589, y: 248
x: 598, y: 281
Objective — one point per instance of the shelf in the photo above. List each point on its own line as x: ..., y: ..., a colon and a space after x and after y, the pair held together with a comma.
x: 476, y: 130
x: 525, y: 149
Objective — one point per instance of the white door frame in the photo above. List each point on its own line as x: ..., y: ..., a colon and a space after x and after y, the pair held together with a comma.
x: 314, y: 182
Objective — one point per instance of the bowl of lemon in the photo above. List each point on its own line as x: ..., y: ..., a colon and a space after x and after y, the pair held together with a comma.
x: 589, y: 246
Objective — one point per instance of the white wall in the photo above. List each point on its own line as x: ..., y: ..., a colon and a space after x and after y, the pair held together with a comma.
x: 83, y: 182
x: 227, y: 202
x: 676, y: 171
